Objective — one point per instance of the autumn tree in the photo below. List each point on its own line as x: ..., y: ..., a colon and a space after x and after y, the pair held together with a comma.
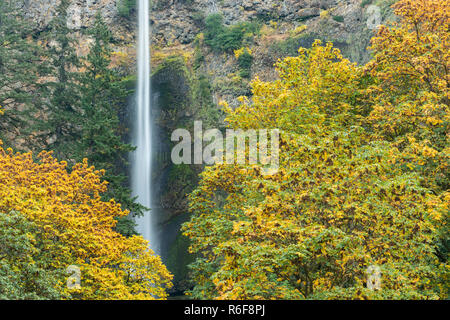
x: 410, y: 94
x: 75, y: 227
x: 411, y: 91
x: 339, y: 203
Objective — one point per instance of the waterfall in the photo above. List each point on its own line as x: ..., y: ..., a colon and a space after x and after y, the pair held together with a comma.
x: 142, y: 157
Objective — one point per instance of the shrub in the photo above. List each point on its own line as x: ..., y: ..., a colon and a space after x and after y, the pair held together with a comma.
x: 226, y: 39
x: 124, y: 7
x: 290, y: 46
x: 365, y: 3
x: 338, y: 18
x: 245, y: 60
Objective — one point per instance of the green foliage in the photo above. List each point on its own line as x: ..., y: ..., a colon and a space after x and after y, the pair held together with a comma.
x: 235, y: 86
x: 171, y: 80
x: 338, y: 18
x: 245, y: 61
x: 202, y: 92
x: 365, y: 2
x: 19, y: 70
x: 214, y: 27
x: 290, y: 46
x: 199, y: 18
x: 182, y: 172
x: 179, y: 252
x: 101, y: 131
x: 183, y: 89
x: 24, y: 272
x: 124, y: 7
x: 63, y: 90
x: 226, y: 39
x: 83, y: 109
x: 199, y: 58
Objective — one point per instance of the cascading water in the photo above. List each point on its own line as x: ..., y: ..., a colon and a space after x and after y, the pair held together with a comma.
x: 142, y: 157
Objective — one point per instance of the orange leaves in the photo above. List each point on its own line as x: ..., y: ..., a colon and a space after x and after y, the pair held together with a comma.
x: 78, y: 227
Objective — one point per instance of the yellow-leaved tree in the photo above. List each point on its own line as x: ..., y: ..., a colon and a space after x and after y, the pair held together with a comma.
x: 342, y: 203
x: 72, y: 226
x: 410, y: 93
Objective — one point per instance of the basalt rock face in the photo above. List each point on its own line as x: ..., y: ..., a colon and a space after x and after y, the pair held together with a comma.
x: 208, y: 76
x: 81, y: 15
x: 177, y: 22
x: 81, y: 12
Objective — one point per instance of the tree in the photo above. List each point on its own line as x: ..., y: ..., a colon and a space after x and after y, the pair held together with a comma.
x: 228, y: 38
x: 339, y: 204
x: 410, y: 94
x: 85, y: 96
x: 124, y: 7
x: 59, y: 127
x: 101, y: 133
x: 23, y: 275
x: 19, y: 70
x: 75, y: 227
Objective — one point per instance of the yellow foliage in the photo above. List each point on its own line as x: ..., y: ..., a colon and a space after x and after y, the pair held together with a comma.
x: 351, y: 191
x: 411, y: 88
x: 324, y: 14
x: 77, y: 227
x: 298, y: 30
x: 240, y: 52
x: 273, y: 24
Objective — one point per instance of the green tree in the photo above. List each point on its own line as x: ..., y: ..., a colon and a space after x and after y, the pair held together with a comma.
x: 63, y: 92
x: 82, y: 114
x: 101, y: 133
x: 228, y: 38
x: 19, y: 69
x: 124, y: 7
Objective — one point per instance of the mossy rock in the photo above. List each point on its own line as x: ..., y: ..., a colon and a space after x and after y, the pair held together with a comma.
x: 177, y: 261
x: 171, y: 81
x: 129, y: 82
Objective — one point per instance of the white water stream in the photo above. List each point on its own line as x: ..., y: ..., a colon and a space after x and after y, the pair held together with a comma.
x: 142, y: 157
